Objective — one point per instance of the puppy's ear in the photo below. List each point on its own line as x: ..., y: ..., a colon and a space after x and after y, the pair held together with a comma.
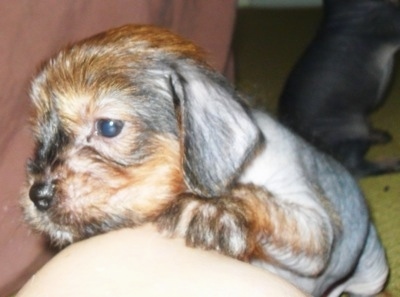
x: 218, y: 134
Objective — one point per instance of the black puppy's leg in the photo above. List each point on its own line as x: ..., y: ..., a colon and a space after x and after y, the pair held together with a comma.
x: 352, y: 153
x: 378, y: 136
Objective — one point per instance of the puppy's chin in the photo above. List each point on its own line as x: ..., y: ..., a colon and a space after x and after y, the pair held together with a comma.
x: 63, y: 227
x: 58, y: 235
x: 63, y: 235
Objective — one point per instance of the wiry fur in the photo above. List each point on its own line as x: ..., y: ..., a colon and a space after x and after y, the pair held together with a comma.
x: 194, y: 160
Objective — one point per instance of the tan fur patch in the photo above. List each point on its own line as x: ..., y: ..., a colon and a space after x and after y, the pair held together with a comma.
x: 242, y: 223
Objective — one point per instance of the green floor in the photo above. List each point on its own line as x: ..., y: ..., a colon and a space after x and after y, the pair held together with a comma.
x: 267, y: 44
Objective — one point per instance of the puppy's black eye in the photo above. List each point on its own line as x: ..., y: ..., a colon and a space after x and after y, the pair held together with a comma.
x: 109, y: 128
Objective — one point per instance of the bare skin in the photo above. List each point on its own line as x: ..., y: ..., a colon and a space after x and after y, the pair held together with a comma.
x: 141, y: 262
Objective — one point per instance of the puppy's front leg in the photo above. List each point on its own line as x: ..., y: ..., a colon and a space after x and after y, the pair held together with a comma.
x: 223, y: 223
x: 251, y: 223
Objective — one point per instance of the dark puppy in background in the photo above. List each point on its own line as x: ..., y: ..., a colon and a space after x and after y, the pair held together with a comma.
x: 341, y: 78
x: 133, y: 126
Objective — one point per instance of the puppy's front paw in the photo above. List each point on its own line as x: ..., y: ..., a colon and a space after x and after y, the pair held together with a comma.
x: 221, y: 224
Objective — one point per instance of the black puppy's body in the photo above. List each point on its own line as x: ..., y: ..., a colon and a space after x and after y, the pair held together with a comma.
x: 341, y: 78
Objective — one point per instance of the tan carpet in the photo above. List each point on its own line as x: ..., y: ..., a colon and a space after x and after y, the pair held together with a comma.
x: 267, y: 43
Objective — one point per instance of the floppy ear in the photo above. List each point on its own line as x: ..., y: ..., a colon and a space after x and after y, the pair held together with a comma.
x: 218, y: 134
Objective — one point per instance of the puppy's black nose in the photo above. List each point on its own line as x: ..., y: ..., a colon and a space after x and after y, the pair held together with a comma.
x: 41, y: 195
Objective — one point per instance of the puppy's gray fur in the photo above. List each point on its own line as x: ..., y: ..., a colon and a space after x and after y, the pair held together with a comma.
x: 132, y: 126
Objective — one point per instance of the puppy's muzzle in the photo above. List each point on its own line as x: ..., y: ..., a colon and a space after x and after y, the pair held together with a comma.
x: 42, y: 195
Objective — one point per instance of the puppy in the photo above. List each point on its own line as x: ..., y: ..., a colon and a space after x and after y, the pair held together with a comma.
x: 133, y: 126
x: 341, y: 78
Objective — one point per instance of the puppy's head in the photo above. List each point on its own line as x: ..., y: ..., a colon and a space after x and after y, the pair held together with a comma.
x: 123, y: 122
